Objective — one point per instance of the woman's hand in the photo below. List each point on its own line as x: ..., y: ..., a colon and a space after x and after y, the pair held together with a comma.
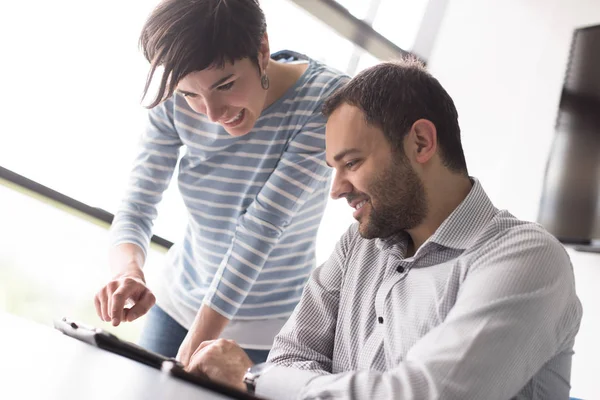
x: 127, y: 287
x: 187, y: 348
x: 124, y: 289
x: 208, y: 325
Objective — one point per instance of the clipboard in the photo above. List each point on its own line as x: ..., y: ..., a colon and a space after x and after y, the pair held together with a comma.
x: 109, y: 342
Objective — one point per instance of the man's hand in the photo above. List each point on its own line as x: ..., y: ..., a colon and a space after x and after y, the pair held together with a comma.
x: 130, y: 286
x: 221, y: 360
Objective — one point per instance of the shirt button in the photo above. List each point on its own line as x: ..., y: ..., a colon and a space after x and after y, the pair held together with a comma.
x: 380, y: 320
x: 400, y: 269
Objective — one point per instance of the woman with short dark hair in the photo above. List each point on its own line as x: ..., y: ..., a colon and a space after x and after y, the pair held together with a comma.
x: 252, y: 176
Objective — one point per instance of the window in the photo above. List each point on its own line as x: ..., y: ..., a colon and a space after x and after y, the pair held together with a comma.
x: 358, y: 8
x: 400, y: 20
x: 53, y: 262
x: 74, y: 116
x: 71, y: 118
x: 304, y: 34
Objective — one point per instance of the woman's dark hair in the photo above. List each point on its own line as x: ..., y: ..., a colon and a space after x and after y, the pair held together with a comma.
x: 185, y: 36
x: 394, y: 95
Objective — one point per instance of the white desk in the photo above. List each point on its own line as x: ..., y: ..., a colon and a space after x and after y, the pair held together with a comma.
x: 39, y: 362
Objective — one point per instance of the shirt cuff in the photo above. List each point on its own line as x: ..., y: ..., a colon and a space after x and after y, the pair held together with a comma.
x: 283, y: 383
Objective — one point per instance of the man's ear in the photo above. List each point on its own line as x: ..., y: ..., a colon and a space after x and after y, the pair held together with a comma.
x: 422, y: 141
x: 264, y: 53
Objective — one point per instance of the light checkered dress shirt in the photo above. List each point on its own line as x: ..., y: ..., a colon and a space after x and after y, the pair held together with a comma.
x: 485, y: 309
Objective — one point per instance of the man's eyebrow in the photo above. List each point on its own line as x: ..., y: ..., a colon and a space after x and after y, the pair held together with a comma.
x: 342, y: 154
x: 220, y: 81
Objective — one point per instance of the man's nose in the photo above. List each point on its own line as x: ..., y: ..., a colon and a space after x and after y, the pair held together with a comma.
x: 340, y: 187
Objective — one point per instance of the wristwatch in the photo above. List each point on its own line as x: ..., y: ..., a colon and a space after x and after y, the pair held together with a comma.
x: 253, y: 373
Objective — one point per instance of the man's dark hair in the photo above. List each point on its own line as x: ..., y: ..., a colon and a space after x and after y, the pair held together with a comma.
x: 185, y: 36
x: 393, y: 95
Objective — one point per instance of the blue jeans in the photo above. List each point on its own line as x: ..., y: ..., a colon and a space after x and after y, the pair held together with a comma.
x: 163, y: 335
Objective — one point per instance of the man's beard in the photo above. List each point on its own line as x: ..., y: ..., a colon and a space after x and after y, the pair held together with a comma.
x: 397, y: 201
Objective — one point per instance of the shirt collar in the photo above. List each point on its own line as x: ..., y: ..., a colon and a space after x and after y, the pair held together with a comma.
x: 462, y: 226
x: 397, y: 239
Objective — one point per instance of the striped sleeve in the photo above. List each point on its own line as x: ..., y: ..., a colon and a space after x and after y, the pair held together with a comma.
x: 303, y: 349
x: 150, y: 176
x: 299, y: 173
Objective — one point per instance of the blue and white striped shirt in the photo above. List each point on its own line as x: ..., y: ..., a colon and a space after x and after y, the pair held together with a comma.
x: 254, y: 204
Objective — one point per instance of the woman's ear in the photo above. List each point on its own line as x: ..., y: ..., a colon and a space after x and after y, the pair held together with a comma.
x: 422, y: 141
x: 264, y: 53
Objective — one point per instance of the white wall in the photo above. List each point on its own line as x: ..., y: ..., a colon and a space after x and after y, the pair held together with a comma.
x: 503, y: 62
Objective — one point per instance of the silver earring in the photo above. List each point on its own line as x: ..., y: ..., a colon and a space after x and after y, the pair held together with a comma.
x: 264, y: 81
